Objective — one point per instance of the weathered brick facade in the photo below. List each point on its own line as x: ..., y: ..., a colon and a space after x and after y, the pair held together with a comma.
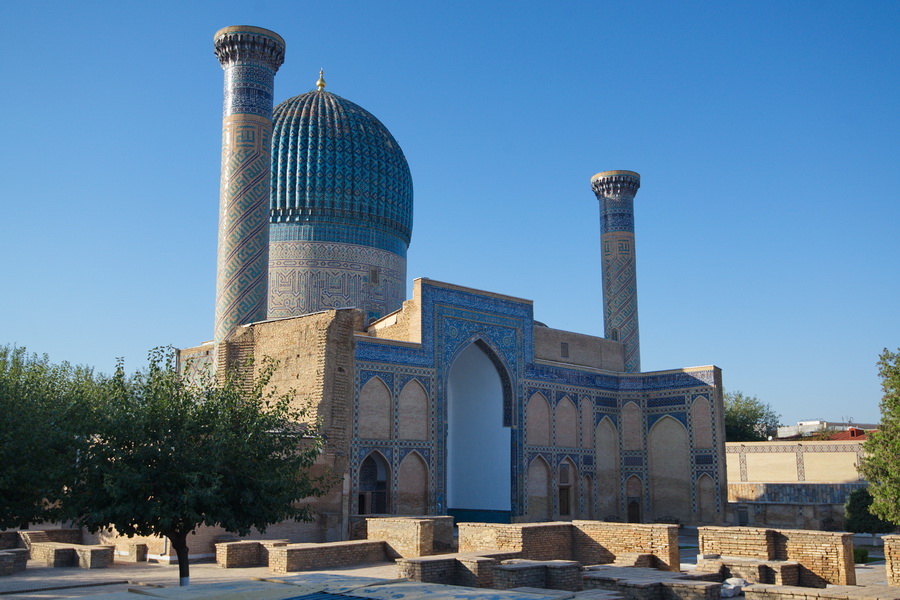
x: 892, y: 558
x: 589, y: 542
x: 307, y: 557
x: 824, y: 557
x: 403, y: 537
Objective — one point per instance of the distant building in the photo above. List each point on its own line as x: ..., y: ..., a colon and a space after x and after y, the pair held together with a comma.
x: 799, y: 482
x: 816, y: 426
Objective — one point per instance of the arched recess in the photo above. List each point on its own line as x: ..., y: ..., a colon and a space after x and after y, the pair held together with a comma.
x: 588, y: 496
x: 606, y: 444
x: 412, y: 479
x: 479, y: 454
x: 587, y: 423
x: 670, y: 470
x: 375, y: 410
x: 538, y: 490
x: 634, y: 499
x: 701, y: 421
x: 566, y: 424
x: 414, y: 418
x: 374, y: 485
x: 706, y: 499
x: 537, y: 426
x: 631, y: 427
x: 567, y: 480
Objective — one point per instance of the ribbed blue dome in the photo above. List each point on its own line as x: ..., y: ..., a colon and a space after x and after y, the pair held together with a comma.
x: 334, y: 163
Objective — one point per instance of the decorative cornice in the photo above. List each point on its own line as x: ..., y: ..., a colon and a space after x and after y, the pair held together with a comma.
x: 246, y: 44
x: 615, y: 183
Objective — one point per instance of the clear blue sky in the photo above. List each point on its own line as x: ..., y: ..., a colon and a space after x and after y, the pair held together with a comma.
x: 767, y: 135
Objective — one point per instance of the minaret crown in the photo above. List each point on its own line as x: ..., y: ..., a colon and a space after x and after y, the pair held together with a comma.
x: 616, y: 183
x: 245, y: 43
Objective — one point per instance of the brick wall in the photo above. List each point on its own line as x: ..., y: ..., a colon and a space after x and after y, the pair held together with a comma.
x: 9, y: 539
x: 65, y: 536
x: 750, y: 542
x: 552, y: 574
x: 404, y: 537
x: 892, y: 558
x: 824, y: 556
x: 468, y: 569
x: 306, y: 557
x: 589, y: 542
x: 598, y: 542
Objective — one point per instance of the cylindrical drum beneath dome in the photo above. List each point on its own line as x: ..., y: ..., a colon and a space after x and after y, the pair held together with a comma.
x: 340, y: 210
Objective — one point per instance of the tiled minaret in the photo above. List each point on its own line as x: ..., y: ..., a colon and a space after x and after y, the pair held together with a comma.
x: 615, y: 190
x: 250, y: 57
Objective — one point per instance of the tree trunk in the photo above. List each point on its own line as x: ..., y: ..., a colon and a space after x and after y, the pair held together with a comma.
x: 179, y: 543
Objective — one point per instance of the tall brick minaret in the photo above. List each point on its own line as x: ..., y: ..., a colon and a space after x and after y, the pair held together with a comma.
x: 250, y: 57
x: 615, y: 190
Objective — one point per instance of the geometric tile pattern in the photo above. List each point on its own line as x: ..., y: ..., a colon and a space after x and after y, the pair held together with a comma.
x: 616, y: 190
x: 306, y: 277
x: 333, y: 162
x: 250, y: 57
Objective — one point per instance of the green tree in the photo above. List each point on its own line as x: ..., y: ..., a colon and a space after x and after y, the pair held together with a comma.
x: 859, y: 519
x: 169, y: 455
x: 881, y: 464
x: 748, y: 419
x: 44, y: 409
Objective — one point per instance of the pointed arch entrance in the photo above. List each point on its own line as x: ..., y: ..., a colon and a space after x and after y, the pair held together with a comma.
x: 479, y: 455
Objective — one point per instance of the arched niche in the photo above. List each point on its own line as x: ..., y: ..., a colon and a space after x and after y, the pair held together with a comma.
x: 537, y: 424
x: 632, y: 432
x: 606, y: 469
x: 539, y: 504
x: 587, y: 423
x: 701, y: 421
x: 375, y: 411
x: 670, y: 469
x: 374, y: 485
x: 412, y: 484
x: 566, y: 423
x: 413, y: 414
x: 634, y: 499
x: 567, y: 479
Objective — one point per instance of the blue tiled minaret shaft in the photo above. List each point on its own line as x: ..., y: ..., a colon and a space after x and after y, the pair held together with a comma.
x: 616, y: 190
x: 250, y: 57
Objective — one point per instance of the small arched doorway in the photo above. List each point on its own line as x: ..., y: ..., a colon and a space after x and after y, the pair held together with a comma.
x: 374, y: 483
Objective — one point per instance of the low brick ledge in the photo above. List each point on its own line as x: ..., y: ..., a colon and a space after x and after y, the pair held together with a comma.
x: 767, y: 591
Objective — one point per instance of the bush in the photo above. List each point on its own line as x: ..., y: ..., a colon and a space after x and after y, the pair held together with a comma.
x: 860, y: 556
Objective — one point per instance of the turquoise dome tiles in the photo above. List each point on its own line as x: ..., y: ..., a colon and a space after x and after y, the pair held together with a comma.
x: 334, y: 164
x: 340, y: 210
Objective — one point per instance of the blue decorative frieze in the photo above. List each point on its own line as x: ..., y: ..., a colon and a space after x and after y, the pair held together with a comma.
x: 560, y: 375
x: 633, y: 461
x: 606, y: 401
x: 678, y: 380
x: 665, y: 401
x: 704, y: 459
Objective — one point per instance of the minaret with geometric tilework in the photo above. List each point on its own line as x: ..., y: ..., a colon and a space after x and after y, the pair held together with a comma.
x: 250, y: 57
x: 616, y: 190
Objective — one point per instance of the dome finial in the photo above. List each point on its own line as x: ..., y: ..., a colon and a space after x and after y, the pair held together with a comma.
x: 320, y: 84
